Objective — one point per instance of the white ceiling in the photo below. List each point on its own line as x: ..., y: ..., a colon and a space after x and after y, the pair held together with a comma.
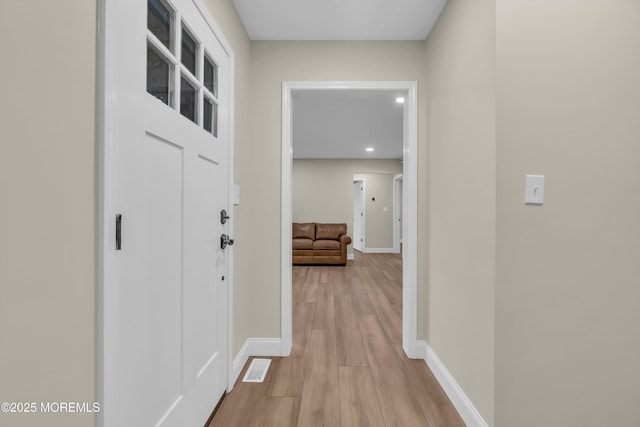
x: 341, y: 124
x: 339, y: 19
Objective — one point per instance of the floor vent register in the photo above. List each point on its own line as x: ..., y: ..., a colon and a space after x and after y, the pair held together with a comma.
x: 257, y: 371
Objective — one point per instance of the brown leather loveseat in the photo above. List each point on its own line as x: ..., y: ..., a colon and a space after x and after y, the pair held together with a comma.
x: 315, y: 243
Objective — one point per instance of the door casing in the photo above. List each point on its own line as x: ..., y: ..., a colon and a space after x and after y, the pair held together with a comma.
x: 410, y: 204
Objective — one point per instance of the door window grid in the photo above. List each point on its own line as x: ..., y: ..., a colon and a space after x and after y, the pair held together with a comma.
x: 194, y: 76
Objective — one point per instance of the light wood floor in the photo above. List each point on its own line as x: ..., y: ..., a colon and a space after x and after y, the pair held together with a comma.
x: 347, y: 367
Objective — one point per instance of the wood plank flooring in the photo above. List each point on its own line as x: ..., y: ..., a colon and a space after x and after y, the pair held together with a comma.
x: 347, y: 367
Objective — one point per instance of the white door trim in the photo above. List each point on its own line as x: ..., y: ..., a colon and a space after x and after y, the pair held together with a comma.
x: 410, y: 204
x: 110, y: 13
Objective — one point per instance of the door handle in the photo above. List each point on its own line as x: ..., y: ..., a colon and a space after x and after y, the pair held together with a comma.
x: 223, y: 216
x: 224, y: 241
x: 118, y: 232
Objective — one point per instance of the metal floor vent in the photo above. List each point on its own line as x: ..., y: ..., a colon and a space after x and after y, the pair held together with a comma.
x: 257, y: 371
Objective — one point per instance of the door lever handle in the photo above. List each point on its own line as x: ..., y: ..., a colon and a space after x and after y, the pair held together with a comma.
x: 223, y: 216
x: 224, y: 241
x: 118, y: 232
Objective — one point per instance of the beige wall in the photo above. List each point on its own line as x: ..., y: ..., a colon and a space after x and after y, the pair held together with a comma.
x: 48, y: 208
x: 323, y: 192
x: 461, y: 123
x: 568, y: 273
x: 271, y: 64
x: 243, y: 217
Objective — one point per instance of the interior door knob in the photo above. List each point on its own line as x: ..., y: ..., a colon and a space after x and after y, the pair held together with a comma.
x: 224, y: 241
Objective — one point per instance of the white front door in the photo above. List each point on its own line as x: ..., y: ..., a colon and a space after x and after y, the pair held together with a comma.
x: 166, y: 157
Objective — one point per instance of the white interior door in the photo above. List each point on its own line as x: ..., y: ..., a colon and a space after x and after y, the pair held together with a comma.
x: 397, y: 213
x: 358, y: 214
x: 166, y: 174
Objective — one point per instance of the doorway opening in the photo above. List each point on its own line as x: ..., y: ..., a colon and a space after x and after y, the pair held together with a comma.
x: 409, y: 203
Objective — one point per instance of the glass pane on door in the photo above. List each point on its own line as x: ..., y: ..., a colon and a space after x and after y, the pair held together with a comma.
x: 208, y: 107
x: 160, y: 21
x: 188, y: 99
x: 210, y: 117
x: 211, y: 76
x: 189, y: 51
x: 159, y: 72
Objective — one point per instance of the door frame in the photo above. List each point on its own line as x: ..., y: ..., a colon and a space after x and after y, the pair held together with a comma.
x: 108, y: 93
x: 410, y: 204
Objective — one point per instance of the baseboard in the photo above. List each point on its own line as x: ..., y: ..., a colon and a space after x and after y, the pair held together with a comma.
x: 265, y: 347
x: 459, y: 399
x: 351, y: 257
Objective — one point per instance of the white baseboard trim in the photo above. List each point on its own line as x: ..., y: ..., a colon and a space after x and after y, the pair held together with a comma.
x: 265, y: 347
x: 351, y: 257
x: 379, y: 251
x: 459, y: 399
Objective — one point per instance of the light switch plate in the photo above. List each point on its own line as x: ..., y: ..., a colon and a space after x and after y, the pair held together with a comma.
x: 534, y: 191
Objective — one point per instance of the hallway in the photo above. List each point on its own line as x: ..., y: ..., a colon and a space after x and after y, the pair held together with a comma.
x: 347, y: 367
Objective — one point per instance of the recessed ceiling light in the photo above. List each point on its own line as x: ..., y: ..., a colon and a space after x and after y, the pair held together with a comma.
x: 400, y: 100
x: 369, y: 149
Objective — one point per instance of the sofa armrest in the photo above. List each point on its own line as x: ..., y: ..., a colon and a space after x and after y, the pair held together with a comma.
x: 344, y: 242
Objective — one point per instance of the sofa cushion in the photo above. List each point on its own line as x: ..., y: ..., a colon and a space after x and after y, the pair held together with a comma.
x: 304, y: 230
x: 302, y: 244
x: 330, y: 231
x: 326, y: 244
x: 324, y: 253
